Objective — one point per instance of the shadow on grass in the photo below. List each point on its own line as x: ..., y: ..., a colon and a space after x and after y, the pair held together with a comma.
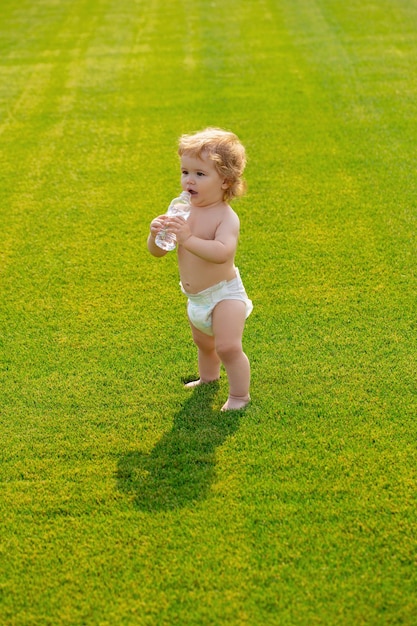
x: 180, y: 468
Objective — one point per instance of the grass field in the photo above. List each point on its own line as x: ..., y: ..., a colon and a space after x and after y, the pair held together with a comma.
x: 124, y: 499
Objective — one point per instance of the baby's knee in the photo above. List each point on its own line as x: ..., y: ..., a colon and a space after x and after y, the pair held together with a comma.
x: 228, y: 349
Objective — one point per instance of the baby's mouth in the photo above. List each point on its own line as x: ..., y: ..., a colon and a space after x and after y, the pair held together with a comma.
x: 192, y: 192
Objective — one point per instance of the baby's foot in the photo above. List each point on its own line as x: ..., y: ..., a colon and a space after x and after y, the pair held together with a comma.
x: 197, y: 383
x: 234, y: 403
x: 192, y: 384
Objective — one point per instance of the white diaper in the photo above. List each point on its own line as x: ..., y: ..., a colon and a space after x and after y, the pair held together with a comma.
x: 200, y: 305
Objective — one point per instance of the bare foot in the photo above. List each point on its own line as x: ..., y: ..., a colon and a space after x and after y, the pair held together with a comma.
x: 234, y: 403
x: 197, y: 383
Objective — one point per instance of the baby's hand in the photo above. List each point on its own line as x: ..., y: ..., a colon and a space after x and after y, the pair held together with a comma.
x: 179, y: 226
x: 157, y: 224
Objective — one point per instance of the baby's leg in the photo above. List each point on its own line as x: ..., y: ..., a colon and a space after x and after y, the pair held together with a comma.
x: 208, y: 361
x: 228, y: 324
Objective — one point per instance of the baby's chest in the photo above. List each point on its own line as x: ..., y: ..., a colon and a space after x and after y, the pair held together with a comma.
x: 204, y: 229
x: 203, y: 232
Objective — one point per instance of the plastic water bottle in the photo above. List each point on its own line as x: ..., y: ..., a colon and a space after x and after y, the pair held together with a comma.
x: 179, y: 206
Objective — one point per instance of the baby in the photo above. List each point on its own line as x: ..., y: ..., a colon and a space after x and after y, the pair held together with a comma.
x: 212, y: 164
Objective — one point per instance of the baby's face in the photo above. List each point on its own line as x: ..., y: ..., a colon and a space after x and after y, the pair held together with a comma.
x: 201, y: 179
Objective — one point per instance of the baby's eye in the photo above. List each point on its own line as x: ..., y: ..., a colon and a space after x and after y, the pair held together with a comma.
x: 184, y: 172
x: 200, y: 173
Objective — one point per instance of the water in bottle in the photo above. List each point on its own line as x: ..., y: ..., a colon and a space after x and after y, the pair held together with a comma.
x: 179, y: 206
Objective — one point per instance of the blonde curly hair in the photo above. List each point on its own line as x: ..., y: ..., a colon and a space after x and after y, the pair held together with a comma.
x: 225, y: 150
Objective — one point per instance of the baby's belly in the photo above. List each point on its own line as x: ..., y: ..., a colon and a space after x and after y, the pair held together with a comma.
x: 200, y: 276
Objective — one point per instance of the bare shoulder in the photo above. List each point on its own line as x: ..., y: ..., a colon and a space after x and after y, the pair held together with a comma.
x: 227, y: 230
x: 229, y: 218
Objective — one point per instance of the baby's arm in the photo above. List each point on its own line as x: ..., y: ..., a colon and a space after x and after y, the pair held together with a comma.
x: 156, y: 225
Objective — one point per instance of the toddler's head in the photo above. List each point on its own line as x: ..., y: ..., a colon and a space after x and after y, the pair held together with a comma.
x: 225, y: 150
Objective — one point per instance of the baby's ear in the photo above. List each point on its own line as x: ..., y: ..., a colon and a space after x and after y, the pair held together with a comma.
x: 226, y: 184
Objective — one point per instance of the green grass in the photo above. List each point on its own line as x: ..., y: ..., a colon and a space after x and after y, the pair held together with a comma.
x: 123, y: 499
